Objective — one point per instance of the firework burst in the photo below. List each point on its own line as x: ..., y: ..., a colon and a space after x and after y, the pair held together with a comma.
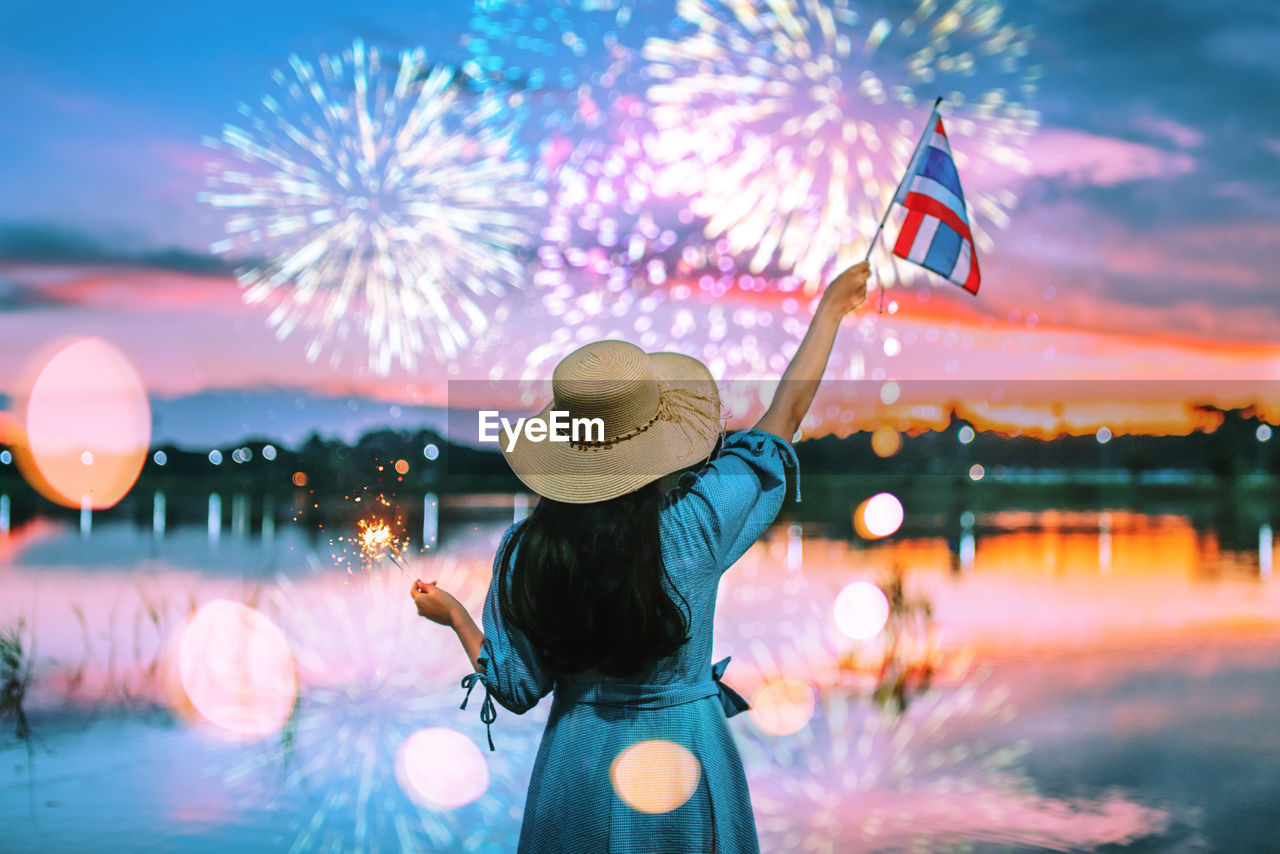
x: 855, y: 777
x: 808, y: 112
x: 568, y: 54
x: 378, y: 198
x: 371, y: 675
x: 620, y: 259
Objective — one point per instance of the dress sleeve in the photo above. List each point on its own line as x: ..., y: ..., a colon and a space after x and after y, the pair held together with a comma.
x: 736, y: 496
x: 510, y: 669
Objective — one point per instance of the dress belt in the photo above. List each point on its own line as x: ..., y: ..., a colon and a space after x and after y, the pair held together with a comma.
x: 655, y: 696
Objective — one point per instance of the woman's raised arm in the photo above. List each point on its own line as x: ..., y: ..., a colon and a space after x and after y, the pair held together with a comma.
x: 800, y: 381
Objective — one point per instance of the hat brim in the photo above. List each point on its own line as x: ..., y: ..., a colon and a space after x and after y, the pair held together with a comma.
x: 570, y: 474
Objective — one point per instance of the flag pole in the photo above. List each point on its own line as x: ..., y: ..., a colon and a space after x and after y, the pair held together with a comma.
x: 928, y: 126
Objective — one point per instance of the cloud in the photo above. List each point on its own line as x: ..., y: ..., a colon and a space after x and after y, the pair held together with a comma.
x: 44, y: 243
x: 1086, y: 266
x: 1181, y: 135
x: 1079, y: 159
x: 1254, y: 48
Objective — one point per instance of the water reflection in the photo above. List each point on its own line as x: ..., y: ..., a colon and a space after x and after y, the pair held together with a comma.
x: 157, y: 514
x: 859, y: 739
x: 430, y: 520
x: 1266, y: 551
x: 795, y: 548
x: 215, y: 517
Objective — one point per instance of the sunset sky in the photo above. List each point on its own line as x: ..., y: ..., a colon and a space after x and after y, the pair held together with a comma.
x: 1144, y: 243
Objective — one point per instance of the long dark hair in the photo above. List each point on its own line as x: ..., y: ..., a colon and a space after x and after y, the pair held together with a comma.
x: 586, y: 586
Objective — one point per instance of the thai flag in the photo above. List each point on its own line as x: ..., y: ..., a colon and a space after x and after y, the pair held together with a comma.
x: 936, y: 232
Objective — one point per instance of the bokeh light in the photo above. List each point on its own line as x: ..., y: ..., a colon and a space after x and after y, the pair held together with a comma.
x: 782, y: 706
x: 886, y: 441
x: 85, y: 424
x: 861, y: 610
x: 236, y: 668
x: 977, y: 472
x: 655, y: 776
x: 878, y: 516
x: 1263, y: 432
x: 441, y: 768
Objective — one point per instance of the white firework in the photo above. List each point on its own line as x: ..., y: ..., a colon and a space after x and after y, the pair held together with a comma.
x: 375, y: 197
x: 809, y: 110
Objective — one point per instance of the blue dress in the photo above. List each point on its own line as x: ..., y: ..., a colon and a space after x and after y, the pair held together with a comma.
x: 707, y: 523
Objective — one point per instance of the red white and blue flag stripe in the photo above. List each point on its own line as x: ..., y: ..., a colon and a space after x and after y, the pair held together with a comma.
x: 936, y: 232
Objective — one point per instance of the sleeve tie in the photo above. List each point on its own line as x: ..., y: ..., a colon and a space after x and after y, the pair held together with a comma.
x: 488, y: 714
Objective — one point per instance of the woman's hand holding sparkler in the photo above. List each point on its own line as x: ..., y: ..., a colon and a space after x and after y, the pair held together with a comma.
x: 435, y: 604
x: 438, y: 606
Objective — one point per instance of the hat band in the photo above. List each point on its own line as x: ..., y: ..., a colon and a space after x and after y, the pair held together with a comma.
x: 673, y: 404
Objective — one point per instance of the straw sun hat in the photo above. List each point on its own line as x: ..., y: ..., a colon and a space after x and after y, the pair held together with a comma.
x: 660, y: 414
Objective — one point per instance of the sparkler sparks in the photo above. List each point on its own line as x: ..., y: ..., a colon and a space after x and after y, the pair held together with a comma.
x: 375, y: 196
x: 377, y: 541
x: 808, y: 112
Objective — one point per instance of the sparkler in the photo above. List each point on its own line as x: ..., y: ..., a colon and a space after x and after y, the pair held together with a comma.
x: 375, y: 195
x: 377, y: 541
x: 805, y: 109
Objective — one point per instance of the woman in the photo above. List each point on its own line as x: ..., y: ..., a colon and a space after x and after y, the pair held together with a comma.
x: 605, y: 595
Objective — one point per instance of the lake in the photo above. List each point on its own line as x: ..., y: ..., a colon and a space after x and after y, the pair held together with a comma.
x: 205, y: 675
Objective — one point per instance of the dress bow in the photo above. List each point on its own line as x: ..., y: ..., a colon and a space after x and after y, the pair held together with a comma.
x: 730, y: 700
